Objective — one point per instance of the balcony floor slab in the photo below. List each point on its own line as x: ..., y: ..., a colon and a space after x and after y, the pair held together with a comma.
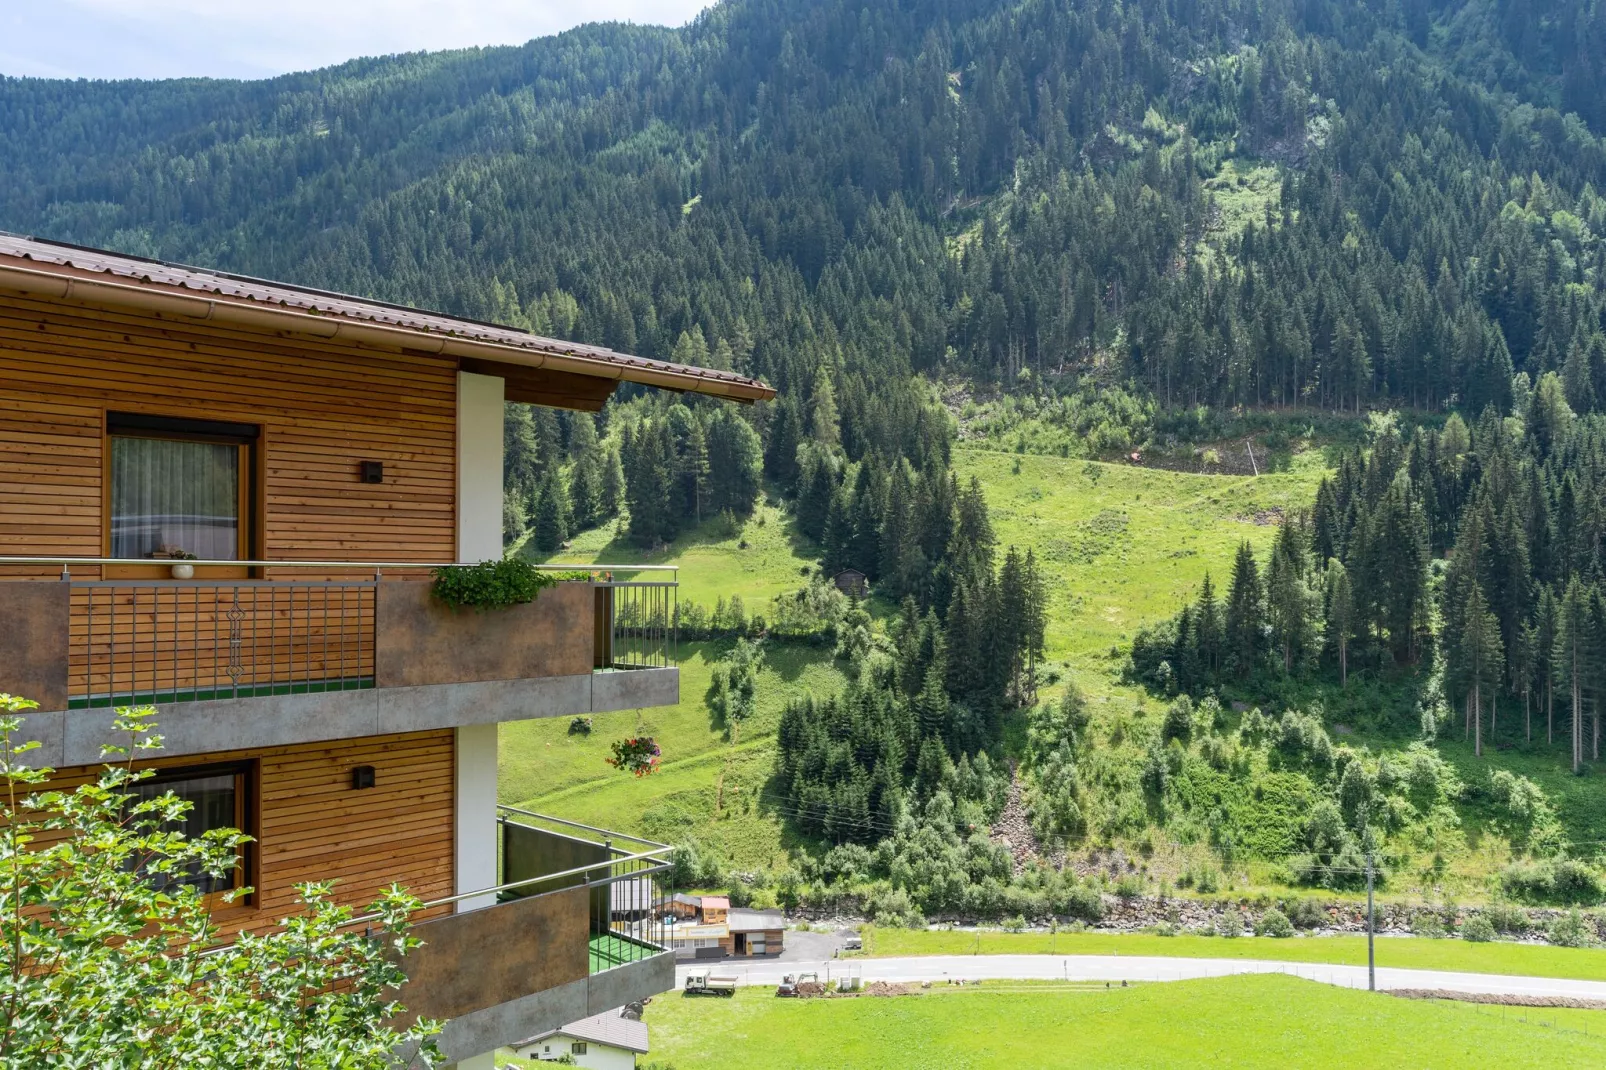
x: 78, y: 737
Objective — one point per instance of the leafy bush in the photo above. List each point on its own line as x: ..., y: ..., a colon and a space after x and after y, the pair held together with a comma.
x: 1563, y: 881
x: 1305, y: 913
x: 1083, y: 901
x: 1129, y: 886
x: 1275, y: 923
x: 1230, y: 924
x: 1478, y: 929
x: 1430, y: 925
x: 1178, y: 723
x: 109, y: 962
x: 1507, y: 919
x: 492, y: 584
x: 1017, y: 924
x: 1571, y: 929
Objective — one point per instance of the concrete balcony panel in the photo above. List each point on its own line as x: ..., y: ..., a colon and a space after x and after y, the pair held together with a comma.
x: 76, y: 737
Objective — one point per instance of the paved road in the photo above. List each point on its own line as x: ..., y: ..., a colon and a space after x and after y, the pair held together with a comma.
x: 940, y: 968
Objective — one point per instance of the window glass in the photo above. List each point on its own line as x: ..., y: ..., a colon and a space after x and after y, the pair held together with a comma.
x: 175, y: 497
x: 214, y: 802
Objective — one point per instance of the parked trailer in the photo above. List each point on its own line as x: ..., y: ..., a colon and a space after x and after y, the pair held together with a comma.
x: 705, y: 984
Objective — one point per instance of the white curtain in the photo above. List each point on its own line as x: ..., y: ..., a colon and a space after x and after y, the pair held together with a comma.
x: 171, y: 495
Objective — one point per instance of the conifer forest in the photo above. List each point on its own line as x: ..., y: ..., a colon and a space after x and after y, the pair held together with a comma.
x: 1133, y: 233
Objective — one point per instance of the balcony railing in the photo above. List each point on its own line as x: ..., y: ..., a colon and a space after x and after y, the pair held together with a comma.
x: 621, y: 874
x: 329, y: 626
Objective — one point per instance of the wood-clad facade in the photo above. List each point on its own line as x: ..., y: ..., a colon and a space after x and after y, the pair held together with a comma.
x: 337, y: 714
x: 322, y: 409
x: 310, y: 825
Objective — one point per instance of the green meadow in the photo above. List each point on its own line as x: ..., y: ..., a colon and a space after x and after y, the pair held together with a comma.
x: 1266, y: 1021
x: 1498, y: 957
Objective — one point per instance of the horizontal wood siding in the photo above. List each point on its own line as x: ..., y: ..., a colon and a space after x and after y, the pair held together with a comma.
x: 313, y: 826
x: 323, y: 408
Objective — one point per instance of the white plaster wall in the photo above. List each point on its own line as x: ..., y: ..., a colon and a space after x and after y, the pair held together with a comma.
x: 476, y: 814
x: 597, y: 1056
x: 486, y: 1061
x: 479, y: 467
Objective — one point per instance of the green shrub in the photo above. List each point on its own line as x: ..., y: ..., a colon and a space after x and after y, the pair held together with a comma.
x: 491, y: 584
x: 1129, y: 886
x: 1563, y: 881
x: 1305, y: 913
x: 1571, y: 929
x: 1230, y: 924
x: 1429, y: 925
x: 1275, y: 923
x: 1478, y: 929
x: 1017, y: 924
x: 1507, y: 918
x: 1084, y: 902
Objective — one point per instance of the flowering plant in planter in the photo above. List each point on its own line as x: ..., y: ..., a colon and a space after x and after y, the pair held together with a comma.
x: 638, y: 755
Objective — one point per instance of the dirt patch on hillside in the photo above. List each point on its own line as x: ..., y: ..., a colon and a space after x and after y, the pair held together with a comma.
x: 1013, y: 830
x: 1500, y: 999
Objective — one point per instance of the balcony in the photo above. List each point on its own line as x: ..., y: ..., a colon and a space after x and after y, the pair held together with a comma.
x: 576, y: 930
x: 356, y: 648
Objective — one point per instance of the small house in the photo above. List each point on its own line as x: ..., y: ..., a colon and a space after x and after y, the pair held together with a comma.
x: 715, y: 907
x: 852, y: 582
x: 755, y: 933
x: 607, y: 1041
x: 683, y: 907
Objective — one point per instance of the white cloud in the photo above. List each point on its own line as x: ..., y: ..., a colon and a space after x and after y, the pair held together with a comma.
x: 187, y: 38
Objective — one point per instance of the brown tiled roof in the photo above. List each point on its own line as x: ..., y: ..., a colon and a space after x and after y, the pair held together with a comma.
x: 113, y: 273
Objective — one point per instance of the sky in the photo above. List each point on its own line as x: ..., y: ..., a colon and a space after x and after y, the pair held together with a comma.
x: 262, y: 38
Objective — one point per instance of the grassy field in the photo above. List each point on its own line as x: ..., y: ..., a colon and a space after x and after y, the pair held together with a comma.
x: 1245, y: 1022
x: 712, y: 559
x: 1125, y: 546
x: 709, y: 787
x: 1530, y: 960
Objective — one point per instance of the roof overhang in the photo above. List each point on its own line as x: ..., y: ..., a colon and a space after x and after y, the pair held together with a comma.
x: 541, y: 370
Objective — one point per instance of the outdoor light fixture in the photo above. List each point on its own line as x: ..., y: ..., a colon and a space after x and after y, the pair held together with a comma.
x: 362, y: 777
x: 373, y: 471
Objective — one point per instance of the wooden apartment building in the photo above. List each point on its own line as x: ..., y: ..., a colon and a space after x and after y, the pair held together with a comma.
x: 224, y: 497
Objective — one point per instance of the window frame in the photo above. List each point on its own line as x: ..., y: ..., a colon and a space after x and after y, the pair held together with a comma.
x: 246, y: 808
x: 246, y: 438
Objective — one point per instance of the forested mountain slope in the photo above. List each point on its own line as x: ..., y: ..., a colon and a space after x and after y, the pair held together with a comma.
x: 1115, y: 215
x: 805, y: 167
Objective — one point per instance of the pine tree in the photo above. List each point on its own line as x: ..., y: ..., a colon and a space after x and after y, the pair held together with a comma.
x: 1547, y: 621
x: 1572, y: 661
x: 613, y: 484
x: 825, y: 427
x: 1245, y: 612
x: 551, y: 513
x: 1340, y: 616
x: 1481, y: 657
x: 1208, y: 627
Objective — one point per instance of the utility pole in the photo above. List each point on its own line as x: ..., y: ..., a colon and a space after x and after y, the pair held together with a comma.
x: 1371, y: 922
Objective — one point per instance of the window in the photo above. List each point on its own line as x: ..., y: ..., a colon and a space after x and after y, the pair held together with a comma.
x: 178, y: 488
x: 217, y: 795
x: 577, y: 1048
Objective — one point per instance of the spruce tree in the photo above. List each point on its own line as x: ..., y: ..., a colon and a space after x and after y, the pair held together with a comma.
x: 1481, y: 658
x: 1573, y: 658
x: 1245, y: 612
x: 1340, y: 616
x: 551, y: 513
